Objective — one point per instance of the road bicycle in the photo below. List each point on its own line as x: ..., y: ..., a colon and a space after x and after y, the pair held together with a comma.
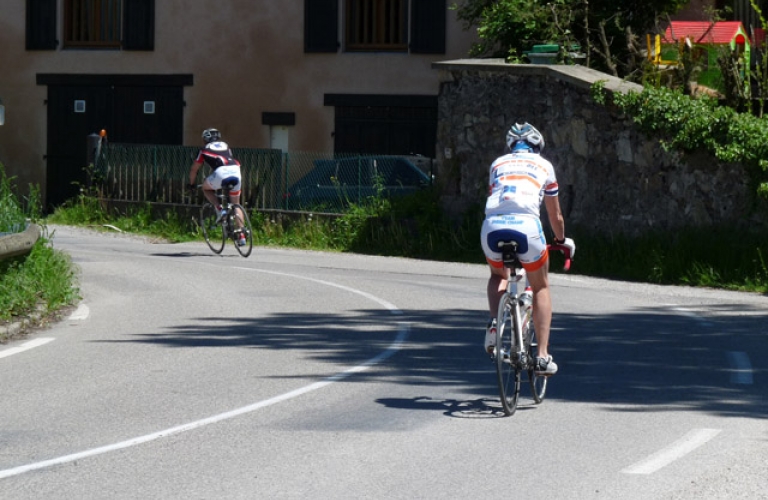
x: 515, y: 351
x: 229, y: 224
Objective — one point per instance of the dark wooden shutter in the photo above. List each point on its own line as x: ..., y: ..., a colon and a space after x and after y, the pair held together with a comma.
x: 139, y: 25
x: 41, y: 25
x: 428, y: 18
x: 321, y: 25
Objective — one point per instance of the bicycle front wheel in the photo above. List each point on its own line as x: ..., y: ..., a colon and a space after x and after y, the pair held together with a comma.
x: 538, y: 382
x: 242, y: 221
x: 507, y: 367
x: 213, y: 232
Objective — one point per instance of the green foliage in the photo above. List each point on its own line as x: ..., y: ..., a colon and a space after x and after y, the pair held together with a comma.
x: 686, y: 124
x: 83, y: 209
x: 44, y: 279
x: 89, y: 211
x: 14, y: 212
x: 510, y: 27
x: 615, y: 31
x: 709, y: 257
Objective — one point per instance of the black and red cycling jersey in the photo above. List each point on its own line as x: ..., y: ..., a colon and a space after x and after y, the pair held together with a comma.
x: 216, y: 154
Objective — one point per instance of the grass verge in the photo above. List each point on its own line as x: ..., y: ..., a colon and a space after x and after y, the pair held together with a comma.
x: 39, y: 283
x: 416, y: 227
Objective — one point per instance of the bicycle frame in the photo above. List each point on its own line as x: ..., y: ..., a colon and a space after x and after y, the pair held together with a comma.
x: 520, y: 357
x: 233, y: 226
x: 515, y: 337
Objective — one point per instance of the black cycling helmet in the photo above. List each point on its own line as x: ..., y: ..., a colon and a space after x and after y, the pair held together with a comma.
x: 211, y: 135
x: 524, y: 136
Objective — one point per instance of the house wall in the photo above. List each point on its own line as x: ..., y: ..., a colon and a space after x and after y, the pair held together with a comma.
x: 244, y: 60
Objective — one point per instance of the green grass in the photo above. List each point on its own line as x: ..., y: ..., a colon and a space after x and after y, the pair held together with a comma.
x: 43, y: 281
x: 717, y: 257
x: 416, y: 227
x: 88, y: 211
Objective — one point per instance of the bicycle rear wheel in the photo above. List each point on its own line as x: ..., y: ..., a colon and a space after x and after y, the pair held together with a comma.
x: 240, y: 215
x: 507, y: 369
x: 213, y: 232
x: 538, y: 382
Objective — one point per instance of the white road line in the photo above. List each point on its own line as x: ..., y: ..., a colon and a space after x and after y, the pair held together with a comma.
x: 404, y: 330
x: 80, y: 313
x: 678, y: 449
x: 26, y: 346
x: 741, y: 368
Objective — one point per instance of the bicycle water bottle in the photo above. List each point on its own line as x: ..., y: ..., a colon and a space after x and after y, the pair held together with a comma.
x: 526, y: 301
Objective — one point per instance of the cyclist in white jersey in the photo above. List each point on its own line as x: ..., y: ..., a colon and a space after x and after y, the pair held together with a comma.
x: 518, y: 183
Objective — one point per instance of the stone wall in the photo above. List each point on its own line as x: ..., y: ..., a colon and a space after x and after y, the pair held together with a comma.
x: 612, y: 177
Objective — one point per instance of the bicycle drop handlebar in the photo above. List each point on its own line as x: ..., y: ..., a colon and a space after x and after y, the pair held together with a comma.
x: 566, y: 252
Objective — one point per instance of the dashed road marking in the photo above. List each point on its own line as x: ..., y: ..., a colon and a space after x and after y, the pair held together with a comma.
x: 80, y: 313
x: 741, y: 368
x: 694, y: 315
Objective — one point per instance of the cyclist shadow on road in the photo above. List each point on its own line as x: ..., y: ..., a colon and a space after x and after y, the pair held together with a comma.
x: 457, y: 408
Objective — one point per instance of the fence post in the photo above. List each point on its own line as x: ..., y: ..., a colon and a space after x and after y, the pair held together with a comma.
x: 93, y: 143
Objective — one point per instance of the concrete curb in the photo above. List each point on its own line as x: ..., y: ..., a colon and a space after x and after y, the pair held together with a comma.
x: 21, y: 243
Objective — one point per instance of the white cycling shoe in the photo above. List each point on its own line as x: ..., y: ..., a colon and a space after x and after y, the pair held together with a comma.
x: 545, y: 366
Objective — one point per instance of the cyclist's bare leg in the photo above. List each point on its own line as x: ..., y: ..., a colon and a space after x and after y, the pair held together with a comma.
x: 497, y: 285
x: 210, y: 194
x: 235, y: 199
x: 542, y: 307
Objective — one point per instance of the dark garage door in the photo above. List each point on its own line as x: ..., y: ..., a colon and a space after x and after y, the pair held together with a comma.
x: 131, y: 108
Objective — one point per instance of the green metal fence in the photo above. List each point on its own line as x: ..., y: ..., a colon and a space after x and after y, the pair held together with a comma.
x: 271, y: 179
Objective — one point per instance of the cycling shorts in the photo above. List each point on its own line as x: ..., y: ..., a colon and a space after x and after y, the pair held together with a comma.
x: 526, y: 230
x: 225, y: 172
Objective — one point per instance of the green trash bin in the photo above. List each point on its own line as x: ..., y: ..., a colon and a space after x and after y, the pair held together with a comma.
x: 547, y: 54
x: 543, y: 54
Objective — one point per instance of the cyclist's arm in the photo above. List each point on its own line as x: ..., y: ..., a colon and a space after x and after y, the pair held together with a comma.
x: 556, y: 221
x: 193, y: 172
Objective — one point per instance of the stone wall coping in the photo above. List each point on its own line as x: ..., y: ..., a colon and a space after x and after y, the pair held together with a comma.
x: 577, y: 75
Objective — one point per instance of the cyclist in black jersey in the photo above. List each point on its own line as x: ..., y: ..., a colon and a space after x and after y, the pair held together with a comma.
x: 224, y: 167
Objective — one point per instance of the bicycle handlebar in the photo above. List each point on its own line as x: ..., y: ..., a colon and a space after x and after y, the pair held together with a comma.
x: 566, y: 252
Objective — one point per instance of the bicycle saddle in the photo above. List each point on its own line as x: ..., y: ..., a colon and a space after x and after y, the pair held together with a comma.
x: 229, y: 183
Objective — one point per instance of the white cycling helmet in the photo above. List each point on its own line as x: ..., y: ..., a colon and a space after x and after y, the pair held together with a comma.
x: 524, y: 136
x: 211, y: 135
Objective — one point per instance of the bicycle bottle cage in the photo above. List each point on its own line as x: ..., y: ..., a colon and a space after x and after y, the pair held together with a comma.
x: 509, y: 254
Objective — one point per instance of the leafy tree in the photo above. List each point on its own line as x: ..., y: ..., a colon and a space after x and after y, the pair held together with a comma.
x: 611, y: 33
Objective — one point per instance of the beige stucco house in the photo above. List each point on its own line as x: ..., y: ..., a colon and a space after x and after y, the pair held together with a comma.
x: 305, y: 75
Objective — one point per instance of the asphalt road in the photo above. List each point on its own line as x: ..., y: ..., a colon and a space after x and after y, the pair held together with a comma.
x: 293, y: 374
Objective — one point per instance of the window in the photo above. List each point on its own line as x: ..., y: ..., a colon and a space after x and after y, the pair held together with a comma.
x: 418, y: 26
x: 92, y: 23
x: 118, y: 24
x: 376, y: 25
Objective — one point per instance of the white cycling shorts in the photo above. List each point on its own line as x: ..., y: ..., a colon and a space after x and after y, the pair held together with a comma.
x: 225, y: 172
x: 526, y: 230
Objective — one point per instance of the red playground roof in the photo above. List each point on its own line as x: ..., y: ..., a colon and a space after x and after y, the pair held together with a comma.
x: 722, y: 32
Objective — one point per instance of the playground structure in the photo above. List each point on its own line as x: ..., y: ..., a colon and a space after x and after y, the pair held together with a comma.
x: 702, y: 41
